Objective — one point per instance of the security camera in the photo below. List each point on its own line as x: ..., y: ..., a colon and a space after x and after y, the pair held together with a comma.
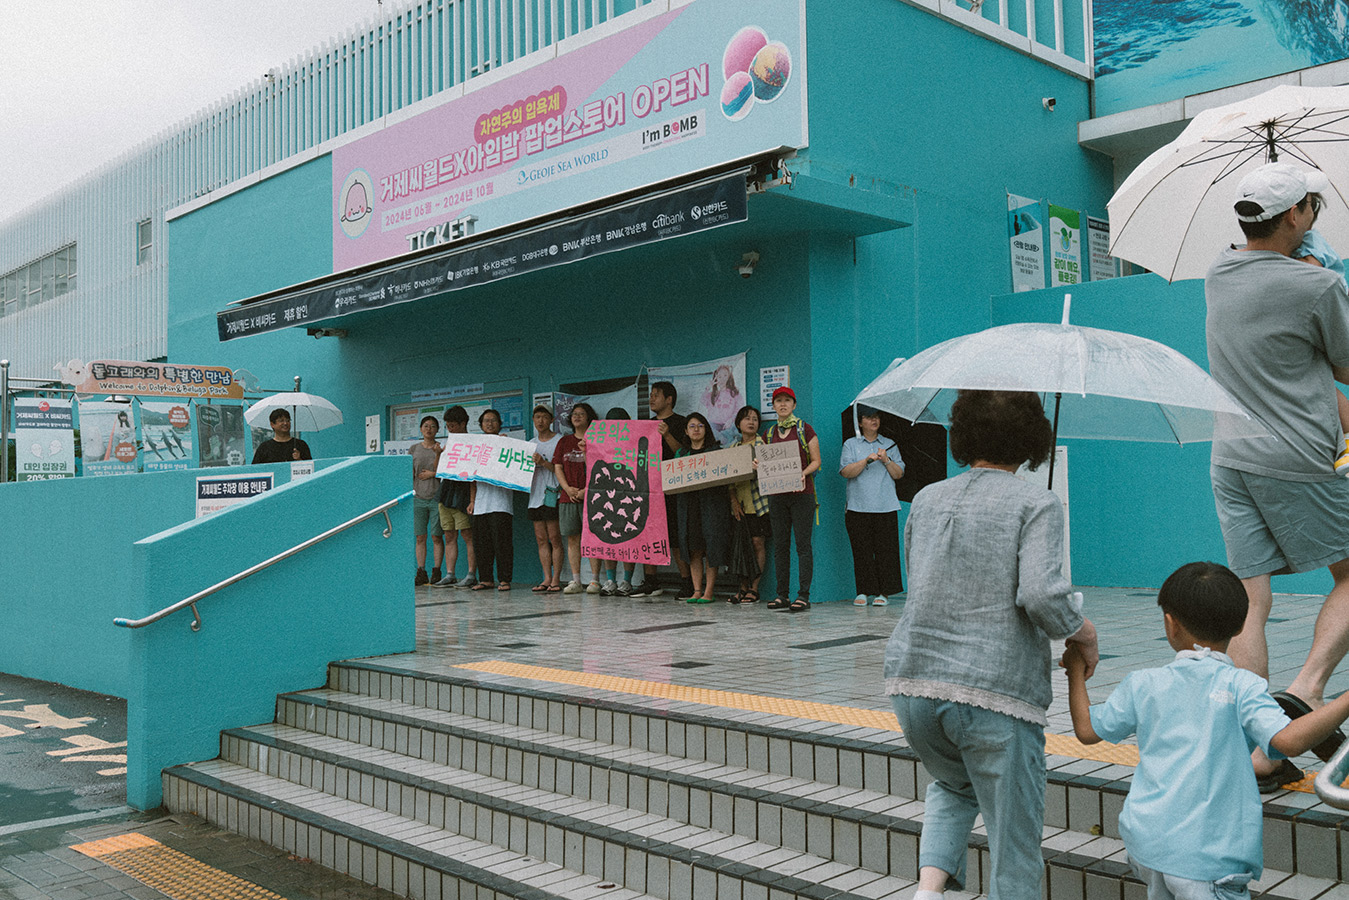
x: 1048, y: 103
x: 748, y: 263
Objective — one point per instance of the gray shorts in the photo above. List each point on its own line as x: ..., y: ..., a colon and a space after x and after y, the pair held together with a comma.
x: 1277, y: 527
x: 569, y: 518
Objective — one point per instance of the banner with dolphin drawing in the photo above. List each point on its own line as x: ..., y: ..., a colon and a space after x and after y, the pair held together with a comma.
x: 624, y: 501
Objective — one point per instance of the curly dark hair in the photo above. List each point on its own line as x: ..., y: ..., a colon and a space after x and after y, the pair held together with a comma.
x: 1006, y: 428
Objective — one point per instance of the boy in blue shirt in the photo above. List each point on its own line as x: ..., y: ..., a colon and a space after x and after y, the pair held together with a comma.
x: 1192, y: 821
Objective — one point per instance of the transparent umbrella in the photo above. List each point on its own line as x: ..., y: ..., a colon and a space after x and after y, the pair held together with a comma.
x: 1106, y: 384
x: 308, y: 412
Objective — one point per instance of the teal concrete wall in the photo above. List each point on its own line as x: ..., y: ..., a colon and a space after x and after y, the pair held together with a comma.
x: 1139, y: 510
x: 134, y: 548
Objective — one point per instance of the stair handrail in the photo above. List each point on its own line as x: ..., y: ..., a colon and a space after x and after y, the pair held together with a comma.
x: 253, y: 570
x: 1330, y: 780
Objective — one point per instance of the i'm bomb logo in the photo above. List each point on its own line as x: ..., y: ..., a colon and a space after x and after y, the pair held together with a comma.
x: 355, y: 203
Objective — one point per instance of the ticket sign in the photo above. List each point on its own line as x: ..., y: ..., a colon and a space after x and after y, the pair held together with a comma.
x: 701, y: 470
x: 44, y: 439
x: 216, y: 492
x: 779, y: 468
x: 493, y: 458
x: 145, y: 379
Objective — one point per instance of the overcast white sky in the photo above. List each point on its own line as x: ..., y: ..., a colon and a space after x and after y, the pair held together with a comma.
x: 81, y: 81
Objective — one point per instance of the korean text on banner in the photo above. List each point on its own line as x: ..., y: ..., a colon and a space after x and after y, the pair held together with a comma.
x: 624, y: 505
x: 1098, y: 249
x: 779, y: 467
x: 145, y: 379
x: 701, y: 470
x: 1065, y: 240
x: 216, y: 492
x: 503, y: 461
x: 166, y: 431
x: 1025, y: 235
x: 44, y: 439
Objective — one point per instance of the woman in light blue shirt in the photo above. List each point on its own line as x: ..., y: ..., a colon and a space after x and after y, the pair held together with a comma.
x: 872, y: 464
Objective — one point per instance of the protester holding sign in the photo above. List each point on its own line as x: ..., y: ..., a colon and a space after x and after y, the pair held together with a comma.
x: 425, y: 509
x: 454, y: 518
x: 490, y: 505
x: 749, y: 509
x: 662, y: 401
x: 793, y: 513
x: 569, y: 463
x: 872, y: 464
x: 704, y: 518
x: 543, y: 498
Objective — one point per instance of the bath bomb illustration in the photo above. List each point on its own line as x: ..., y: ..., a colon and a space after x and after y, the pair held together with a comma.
x: 737, y: 97
x: 741, y: 49
x: 770, y: 71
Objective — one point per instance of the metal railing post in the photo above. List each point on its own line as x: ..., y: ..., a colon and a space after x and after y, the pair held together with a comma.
x: 4, y: 420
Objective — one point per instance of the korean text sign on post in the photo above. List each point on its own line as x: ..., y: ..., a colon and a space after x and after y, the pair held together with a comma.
x: 779, y: 468
x: 505, y: 462
x: 624, y: 504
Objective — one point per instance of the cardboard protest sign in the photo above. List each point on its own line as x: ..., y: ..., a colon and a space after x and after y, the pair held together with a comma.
x: 779, y: 468
x: 492, y: 458
x: 624, y: 506
x: 701, y: 470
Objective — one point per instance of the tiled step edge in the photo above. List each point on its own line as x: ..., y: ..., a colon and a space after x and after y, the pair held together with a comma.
x: 491, y: 814
x: 704, y: 800
x: 397, y: 865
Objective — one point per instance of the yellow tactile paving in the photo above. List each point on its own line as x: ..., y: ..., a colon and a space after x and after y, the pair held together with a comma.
x: 1056, y: 744
x: 170, y: 872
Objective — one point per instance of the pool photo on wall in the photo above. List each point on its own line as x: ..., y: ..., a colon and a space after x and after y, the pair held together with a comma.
x: 1149, y: 52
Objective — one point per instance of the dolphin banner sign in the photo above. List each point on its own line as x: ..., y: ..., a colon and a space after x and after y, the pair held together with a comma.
x: 145, y: 379
x: 624, y: 497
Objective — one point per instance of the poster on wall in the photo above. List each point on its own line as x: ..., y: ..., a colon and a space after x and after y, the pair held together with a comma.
x: 677, y: 93
x: 496, y: 459
x: 714, y: 388
x: 44, y: 439
x: 624, y: 509
x: 108, y: 444
x: 770, y: 379
x: 1065, y: 243
x: 217, y: 492
x: 220, y: 436
x: 1025, y: 237
x: 1098, y: 249
x: 166, y: 435
x: 146, y: 379
x: 1149, y: 53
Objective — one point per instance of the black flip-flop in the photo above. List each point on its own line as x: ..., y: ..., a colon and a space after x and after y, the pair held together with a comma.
x: 1284, y: 773
x: 1295, y: 707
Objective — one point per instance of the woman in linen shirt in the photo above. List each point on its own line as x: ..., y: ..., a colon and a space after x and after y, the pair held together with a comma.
x: 968, y: 665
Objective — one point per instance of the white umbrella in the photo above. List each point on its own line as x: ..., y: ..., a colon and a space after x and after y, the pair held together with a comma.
x: 1110, y: 385
x: 1173, y: 214
x: 308, y: 412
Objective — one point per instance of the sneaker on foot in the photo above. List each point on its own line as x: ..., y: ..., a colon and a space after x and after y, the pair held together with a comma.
x: 593, y: 587
x: 623, y: 589
x: 421, y: 578
x: 656, y: 592
x: 608, y: 589
x: 468, y: 581
x: 573, y: 587
x: 448, y: 581
x: 859, y: 600
x: 880, y: 600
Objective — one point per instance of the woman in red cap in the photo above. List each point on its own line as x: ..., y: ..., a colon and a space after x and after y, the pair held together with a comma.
x: 793, y: 513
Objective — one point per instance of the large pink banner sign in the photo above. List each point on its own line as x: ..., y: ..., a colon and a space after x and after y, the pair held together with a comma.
x: 624, y: 500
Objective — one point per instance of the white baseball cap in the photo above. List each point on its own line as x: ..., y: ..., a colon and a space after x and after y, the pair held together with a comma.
x: 1275, y: 188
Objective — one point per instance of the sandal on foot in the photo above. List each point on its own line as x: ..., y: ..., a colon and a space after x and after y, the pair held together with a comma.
x: 800, y: 604
x: 540, y: 588
x: 1294, y: 707
x: 483, y: 586
x: 503, y: 585
x: 779, y: 603
x: 750, y: 597
x: 1284, y: 773
x: 554, y: 588
x: 737, y: 597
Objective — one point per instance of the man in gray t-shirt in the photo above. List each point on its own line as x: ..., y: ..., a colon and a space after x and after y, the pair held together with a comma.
x: 1278, y: 340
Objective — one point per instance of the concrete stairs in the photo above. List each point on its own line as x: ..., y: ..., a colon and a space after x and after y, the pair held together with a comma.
x: 440, y: 786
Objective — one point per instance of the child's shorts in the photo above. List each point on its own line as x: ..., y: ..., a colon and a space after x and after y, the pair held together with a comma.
x: 1173, y: 887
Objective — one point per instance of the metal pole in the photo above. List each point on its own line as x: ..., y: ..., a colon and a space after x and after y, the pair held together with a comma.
x: 4, y: 420
x: 295, y: 410
x: 1054, y: 447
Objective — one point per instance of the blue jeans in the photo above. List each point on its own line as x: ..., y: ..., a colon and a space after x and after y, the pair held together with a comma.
x: 981, y: 762
x: 1173, y: 887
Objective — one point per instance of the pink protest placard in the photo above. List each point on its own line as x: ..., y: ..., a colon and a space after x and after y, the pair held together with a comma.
x: 624, y: 504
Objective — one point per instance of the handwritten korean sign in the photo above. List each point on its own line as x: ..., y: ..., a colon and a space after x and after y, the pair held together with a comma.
x: 493, y: 458
x: 624, y: 505
x: 779, y: 468
x: 689, y: 473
